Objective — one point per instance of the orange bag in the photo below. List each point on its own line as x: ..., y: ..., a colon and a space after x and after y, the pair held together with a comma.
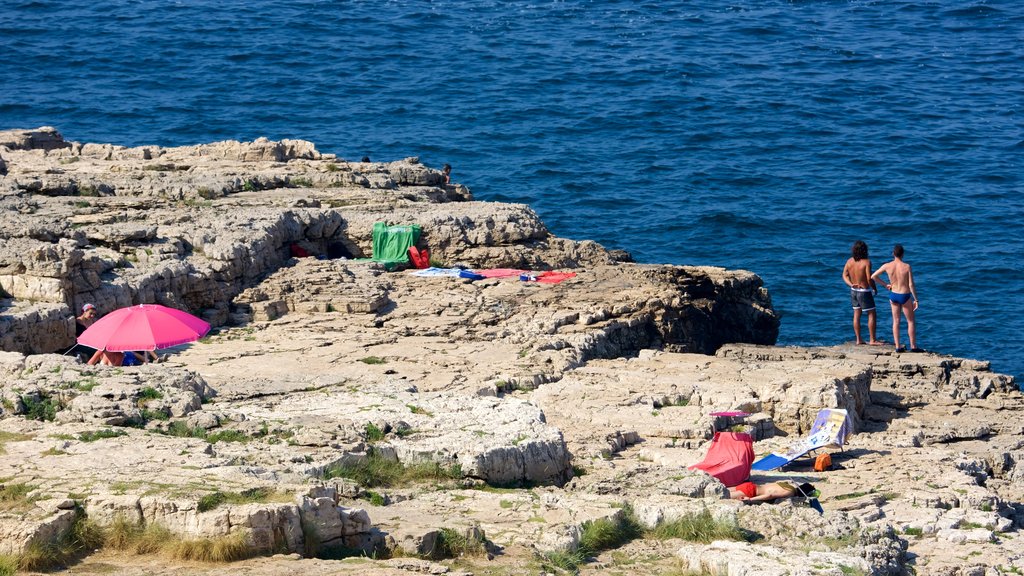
x: 823, y: 462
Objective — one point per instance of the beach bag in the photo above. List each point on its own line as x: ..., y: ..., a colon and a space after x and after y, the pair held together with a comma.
x: 419, y: 258
x: 823, y: 462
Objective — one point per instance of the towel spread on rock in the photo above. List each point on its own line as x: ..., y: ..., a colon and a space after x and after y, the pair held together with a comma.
x: 500, y: 272
x: 554, y: 277
x: 435, y: 272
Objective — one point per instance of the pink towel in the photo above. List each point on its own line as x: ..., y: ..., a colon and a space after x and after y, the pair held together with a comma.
x: 499, y: 272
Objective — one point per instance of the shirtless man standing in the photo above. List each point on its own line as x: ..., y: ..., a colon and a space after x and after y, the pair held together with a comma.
x: 901, y: 293
x: 857, y: 275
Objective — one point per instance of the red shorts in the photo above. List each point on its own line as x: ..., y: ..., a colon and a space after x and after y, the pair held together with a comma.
x: 749, y: 489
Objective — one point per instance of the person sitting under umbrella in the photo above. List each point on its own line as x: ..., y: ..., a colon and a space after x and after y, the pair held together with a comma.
x: 107, y: 358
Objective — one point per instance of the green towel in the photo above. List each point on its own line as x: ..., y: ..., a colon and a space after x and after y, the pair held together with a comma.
x: 391, y: 243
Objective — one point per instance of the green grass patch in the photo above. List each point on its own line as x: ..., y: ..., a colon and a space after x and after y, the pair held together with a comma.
x: 378, y: 471
x: 93, y: 436
x: 11, y: 437
x: 180, y: 429
x: 596, y: 536
x: 150, y: 393
x: 373, y: 360
x: 84, y: 536
x: 302, y: 182
x: 453, y: 544
x: 43, y: 409
x: 417, y: 410
x: 87, y: 385
x: 373, y: 433
x: 698, y: 527
x: 16, y: 496
x: 227, y: 436
x: 156, y: 540
x: 8, y: 565
x: 53, y: 451
x: 250, y: 496
x: 506, y: 503
x: 851, y: 495
x: 148, y: 415
x: 912, y: 531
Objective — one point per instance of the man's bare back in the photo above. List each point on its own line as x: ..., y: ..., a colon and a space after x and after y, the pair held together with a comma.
x: 899, y: 276
x: 857, y: 274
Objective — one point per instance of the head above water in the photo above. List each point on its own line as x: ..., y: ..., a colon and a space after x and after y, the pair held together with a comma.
x: 897, y: 251
x: 859, y: 250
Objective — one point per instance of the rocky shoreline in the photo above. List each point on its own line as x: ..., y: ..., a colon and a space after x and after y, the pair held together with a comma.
x: 537, y: 410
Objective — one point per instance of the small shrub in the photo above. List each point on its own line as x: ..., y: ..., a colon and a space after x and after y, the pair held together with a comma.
x: 148, y: 415
x: 505, y: 504
x: 912, y: 531
x: 376, y: 499
x: 453, y: 543
x: 44, y: 409
x: 150, y: 393
x: 563, y: 561
x: 372, y: 360
x: 373, y: 433
x: 227, y: 436
x: 52, y: 451
x: 249, y: 186
x: 180, y: 429
x: 376, y: 470
x: 250, y: 496
x: 101, y: 434
x: 302, y: 182
x: 607, y: 533
x: 87, y: 385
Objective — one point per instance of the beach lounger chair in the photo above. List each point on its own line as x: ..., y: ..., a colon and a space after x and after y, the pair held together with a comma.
x: 830, y: 429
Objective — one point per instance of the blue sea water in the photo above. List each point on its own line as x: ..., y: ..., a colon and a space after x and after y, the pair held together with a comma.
x: 761, y: 135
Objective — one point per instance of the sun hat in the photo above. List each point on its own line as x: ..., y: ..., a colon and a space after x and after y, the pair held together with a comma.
x: 88, y: 307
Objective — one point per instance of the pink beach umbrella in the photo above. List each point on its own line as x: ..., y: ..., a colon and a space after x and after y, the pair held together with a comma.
x: 143, y: 327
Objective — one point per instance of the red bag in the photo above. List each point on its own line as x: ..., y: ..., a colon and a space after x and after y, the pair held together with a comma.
x: 419, y: 258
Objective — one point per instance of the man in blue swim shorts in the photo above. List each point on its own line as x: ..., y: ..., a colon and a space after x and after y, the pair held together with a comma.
x: 902, y: 296
x: 857, y: 275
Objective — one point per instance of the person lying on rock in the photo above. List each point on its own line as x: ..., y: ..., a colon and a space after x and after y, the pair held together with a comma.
x: 750, y: 492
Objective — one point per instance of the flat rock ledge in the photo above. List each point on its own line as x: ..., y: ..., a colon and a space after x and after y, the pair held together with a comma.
x: 538, y: 409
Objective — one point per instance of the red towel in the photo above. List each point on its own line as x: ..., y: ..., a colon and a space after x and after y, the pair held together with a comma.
x: 554, y: 277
